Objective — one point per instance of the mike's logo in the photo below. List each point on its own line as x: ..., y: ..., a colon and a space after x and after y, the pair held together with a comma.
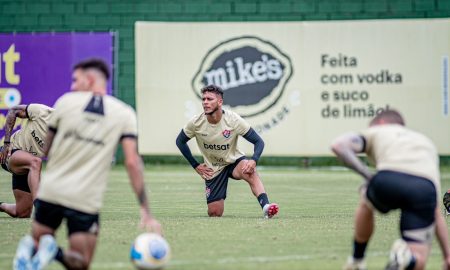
x: 252, y: 72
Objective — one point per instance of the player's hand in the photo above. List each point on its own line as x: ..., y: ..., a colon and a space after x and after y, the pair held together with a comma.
x: 204, y: 171
x: 150, y: 224
x: 249, y: 167
x: 5, y: 153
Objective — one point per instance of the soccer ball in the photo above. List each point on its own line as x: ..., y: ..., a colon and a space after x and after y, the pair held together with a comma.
x: 150, y: 251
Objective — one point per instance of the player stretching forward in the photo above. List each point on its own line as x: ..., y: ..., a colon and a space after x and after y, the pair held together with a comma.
x: 84, y: 131
x: 216, y: 132
x: 21, y: 156
x: 407, y: 178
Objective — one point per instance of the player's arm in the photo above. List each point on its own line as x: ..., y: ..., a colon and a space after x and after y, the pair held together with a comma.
x: 49, y: 140
x: 442, y: 237
x: 19, y: 111
x: 202, y: 169
x: 134, y: 166
x: 258, y: 147
x: 346, y: 147
x: 181, y: 142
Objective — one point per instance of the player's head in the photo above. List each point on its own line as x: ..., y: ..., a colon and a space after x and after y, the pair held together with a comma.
x: 212, y: 99
x: 388, y: 117
x: 90, y: 75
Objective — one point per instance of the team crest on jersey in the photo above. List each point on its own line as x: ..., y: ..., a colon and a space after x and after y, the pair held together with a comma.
x: 226, y: 133
x: 207, y: 192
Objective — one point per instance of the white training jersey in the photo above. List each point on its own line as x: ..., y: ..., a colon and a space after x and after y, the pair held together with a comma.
x: 87, y: 130
x: 397, y: 148
x: 31, y: 136
x: 218, y: 142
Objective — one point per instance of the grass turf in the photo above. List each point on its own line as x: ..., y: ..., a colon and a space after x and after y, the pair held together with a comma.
x: 312, y: 231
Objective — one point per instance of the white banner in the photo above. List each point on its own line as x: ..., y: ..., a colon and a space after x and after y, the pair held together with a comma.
x: 299, y: 84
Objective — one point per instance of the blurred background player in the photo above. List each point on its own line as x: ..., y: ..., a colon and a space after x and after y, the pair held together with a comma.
x: 446, y: 201
x: 407, y: 178
x: 21, y: 155
x: 84, y: 131
x: 216, y: 132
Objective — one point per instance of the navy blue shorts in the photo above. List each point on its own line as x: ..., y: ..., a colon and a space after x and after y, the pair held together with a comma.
x: 415, y: 196
x: 216, y: 188
x: 51, y: 215
x: 19, y: 182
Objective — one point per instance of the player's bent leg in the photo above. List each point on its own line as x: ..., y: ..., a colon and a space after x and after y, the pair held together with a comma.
x: 81, y: 250
x: 8, y: 208
x: 23, y: 206
x: 24, y: 203
x: 252, y: 179
x: 364, y: 226
x: 216, y: 208
x: 22, y: 163
x: 364, y: 222
x: 257, y: 187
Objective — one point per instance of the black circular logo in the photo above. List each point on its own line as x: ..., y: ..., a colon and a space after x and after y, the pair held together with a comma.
x: 252, y: 72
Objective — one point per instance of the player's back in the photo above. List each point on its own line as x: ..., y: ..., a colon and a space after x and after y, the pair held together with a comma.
x: 395, y: 147
x: 87, y: 130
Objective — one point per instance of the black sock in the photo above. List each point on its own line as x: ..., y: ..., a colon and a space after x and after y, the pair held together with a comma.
x: 60, y: 256
x: 359, y: 249
x: 262, y: 199
x: 412, y: 263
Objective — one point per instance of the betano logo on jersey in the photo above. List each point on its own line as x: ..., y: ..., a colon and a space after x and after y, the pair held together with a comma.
x: 251, y: 71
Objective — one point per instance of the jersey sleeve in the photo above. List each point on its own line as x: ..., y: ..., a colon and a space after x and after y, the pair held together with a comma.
x: 56, y: 114
x: 189, y: 129
x: 129, y: 128
x: 241, y: 126
x: 33, y: 111
x: 367, y: 136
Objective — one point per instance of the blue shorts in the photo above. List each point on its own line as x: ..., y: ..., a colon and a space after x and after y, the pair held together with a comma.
x: 216, y: 188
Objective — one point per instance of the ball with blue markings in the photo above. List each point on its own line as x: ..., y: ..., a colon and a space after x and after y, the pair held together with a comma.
x: 150, y: 251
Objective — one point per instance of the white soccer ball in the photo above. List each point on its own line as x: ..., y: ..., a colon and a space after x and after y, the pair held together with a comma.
x: 150, y: 251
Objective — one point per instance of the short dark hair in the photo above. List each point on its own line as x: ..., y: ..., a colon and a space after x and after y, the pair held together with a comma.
x: 390, y: 116
x: 94, y: 63
x: 214, y: 89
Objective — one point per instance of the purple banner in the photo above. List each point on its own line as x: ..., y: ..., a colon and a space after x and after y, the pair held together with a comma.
x: 37, y: 68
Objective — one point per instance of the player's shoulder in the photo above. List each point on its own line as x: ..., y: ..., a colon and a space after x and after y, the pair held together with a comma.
x: 198, y: 119
x: 231, y: 117
x: 118, y: 106
x: 394, y: 130
x: 72, y: 97
x: 39, y: 109
x: 39, y: 106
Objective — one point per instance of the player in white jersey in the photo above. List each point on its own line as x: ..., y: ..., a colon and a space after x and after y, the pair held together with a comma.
x: 406, y: 178
x: 84, y: 131
x: 216, y: 132
x: 21, y: 155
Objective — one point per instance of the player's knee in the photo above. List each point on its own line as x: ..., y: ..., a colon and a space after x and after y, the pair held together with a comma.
x: 215, y: 213
x: 75, y: 261
x: 23, y: 214
x: 35, y: 164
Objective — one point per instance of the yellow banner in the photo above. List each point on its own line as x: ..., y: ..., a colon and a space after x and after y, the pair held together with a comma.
x: 299, y: 84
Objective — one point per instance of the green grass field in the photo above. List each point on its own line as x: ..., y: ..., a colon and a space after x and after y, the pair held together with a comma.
x: 312, y: 231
